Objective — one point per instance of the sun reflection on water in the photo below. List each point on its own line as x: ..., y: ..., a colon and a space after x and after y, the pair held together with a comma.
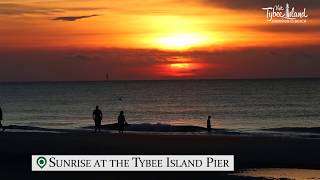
x: 277, y: 173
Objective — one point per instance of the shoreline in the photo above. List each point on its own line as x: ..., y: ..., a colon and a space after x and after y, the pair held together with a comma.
x: 165, y: 129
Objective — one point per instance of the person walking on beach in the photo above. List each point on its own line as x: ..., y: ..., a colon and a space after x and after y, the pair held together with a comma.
x: 97, y: 117
x: 209, y: 124
x: 121, y: 122
x: 1, y: 118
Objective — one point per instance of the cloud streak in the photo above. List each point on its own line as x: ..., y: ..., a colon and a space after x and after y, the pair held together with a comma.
x: 258, y: 4
x: 73, y: 18
x: 19, y: 9
x: 284, y: 28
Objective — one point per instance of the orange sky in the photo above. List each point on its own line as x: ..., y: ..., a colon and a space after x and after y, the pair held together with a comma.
x: 164, y: 25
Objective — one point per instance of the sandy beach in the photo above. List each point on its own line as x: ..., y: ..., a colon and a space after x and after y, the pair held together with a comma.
x: 250, y: 152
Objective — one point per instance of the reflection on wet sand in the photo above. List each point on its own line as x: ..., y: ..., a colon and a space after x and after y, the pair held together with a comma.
x: 277, y: 173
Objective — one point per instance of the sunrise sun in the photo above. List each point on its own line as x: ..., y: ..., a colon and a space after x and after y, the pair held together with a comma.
x: 180, y: 66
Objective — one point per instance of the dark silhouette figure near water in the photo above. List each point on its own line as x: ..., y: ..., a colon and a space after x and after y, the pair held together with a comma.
x: 209, y: 124
x: 1, y: 118
x: 97, y: 117
x: 121, y: 122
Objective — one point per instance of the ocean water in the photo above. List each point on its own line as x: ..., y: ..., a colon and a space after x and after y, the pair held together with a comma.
x: 233, y: 104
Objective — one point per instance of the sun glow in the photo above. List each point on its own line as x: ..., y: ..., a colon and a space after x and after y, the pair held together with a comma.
x: 183, y: 69
x: 181, y: 41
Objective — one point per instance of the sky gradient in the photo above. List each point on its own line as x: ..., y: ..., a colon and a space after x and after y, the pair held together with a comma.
x: 57, y: 40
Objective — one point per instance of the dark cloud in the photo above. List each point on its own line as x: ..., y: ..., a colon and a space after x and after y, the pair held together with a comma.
x: 284, y: 28
x: 77, y: 64
x: 262, y: 62
x: 258, y: 4
x: 83, y: 64
x: 80, y: 57
x: 73, y: 18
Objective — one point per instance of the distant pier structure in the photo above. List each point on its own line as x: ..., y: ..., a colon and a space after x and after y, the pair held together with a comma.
x: 107, y: 76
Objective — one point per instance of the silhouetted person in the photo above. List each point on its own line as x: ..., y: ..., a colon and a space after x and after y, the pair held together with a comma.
x: 209, y: 124
x: 97, y: 117
x: 121, y: 122
x: 1, y: 118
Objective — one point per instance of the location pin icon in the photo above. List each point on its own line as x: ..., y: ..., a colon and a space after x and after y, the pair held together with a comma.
x: 41, y: 161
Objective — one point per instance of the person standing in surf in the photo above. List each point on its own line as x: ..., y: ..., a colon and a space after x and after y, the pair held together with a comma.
x: 121, y: 122
x: 209, y: 124
x: 1, y: 118
x: 97, y: 117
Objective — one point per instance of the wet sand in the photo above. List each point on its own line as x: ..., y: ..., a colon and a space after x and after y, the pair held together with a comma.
x: 250, y: 152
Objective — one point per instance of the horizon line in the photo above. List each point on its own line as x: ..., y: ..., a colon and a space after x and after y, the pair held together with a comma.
x: 200, y: 79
